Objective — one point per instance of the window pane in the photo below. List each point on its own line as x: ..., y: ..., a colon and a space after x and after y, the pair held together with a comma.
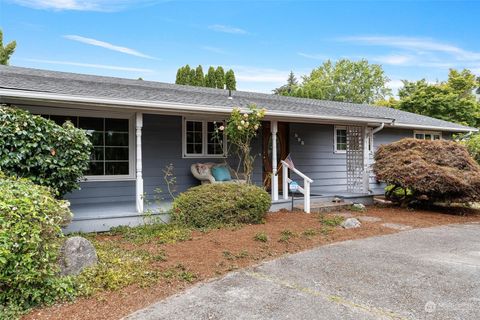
x: 116, y: 168
x: 194, y: 137
x: 118, y: 153
x: 419, y: 136
x: 60, y: 120
x: 116, y: 139
x: 90, y: 124
x: 214, y: 139
x: 428, y: 136
x: 97, y: 154
x: 436, y: 137
x: 97, y: 138
x: 341, y: 139
x: 96, y: 169
x: 120, y: 125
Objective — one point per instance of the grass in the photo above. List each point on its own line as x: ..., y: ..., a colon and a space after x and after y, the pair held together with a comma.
x: 118, y: 267
x: 331, y: 221
x: 261, y: 236
x: 286, y: 235
x: 234, y: 256
x: 309, y: 233
x: 159, y: 232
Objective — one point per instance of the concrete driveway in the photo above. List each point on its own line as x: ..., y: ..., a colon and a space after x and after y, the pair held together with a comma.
x: 429, y: 273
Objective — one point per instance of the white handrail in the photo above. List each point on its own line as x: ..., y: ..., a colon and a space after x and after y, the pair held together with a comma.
x: 306, y: 185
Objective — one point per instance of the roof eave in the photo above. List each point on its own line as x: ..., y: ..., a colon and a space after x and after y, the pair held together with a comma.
x: 427, y: 127
x: 170, y: 106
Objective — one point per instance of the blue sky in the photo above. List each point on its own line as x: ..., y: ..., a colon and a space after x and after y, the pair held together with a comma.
x: 261, y: 40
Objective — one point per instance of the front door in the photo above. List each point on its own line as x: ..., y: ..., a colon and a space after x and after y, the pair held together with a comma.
x: 282, y: 152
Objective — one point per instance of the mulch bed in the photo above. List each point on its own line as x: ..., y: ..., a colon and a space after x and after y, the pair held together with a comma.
x: 214, y: 253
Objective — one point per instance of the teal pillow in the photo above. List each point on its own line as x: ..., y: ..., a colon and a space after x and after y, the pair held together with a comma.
x: 221, y: 173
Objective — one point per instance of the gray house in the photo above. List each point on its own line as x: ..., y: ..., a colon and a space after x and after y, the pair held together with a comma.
x: 140, y: 127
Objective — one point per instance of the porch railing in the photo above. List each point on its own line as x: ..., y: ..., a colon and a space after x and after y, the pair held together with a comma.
x: 305, y: 190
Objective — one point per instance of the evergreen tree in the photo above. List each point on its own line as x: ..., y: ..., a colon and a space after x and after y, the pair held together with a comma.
x: 210, y: 78
x: 199, y: 78
x: 230, y: 82
x: 183, y: 75
x: 220, y: 78
x: 289, y: 88
x: 191, y: 77
x: 6, y: 51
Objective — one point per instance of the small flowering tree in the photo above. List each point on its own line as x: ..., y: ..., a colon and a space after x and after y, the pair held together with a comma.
x: 240, y: 129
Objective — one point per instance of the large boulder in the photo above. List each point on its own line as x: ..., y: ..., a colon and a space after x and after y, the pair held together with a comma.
x: 351, y: 223
x: 76, y: 254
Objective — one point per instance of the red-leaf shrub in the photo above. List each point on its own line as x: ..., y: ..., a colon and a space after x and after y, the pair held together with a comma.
x: 431, y: 171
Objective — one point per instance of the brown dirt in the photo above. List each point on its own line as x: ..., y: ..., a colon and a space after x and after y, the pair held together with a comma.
x: 217, y: 252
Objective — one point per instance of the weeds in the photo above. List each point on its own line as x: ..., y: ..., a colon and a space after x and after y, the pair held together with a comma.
x: 159, y: 232
x: 309, y: 233
x: 331, y: 221
x: 286, y: 235
x: 261, y: 236
x: 232, y: 256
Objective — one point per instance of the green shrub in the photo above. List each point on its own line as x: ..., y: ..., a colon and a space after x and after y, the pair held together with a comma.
x: 261, y: 236
x: 38, y: 149
x: 424, y: 172
x: 473, y: 145
x: 158, y: 232
x: 213, y: 205
x: 30, y: 235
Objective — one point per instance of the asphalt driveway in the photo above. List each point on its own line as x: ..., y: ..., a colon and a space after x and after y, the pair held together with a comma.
x: 429, y: 273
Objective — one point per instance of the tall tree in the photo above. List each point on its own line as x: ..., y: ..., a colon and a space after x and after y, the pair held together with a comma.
x: 210, y: 78
x: 183, y: 75
x: 452, y: 100
x: 220, y: 78
x: 191, y: 77
x: 345, y: 80
x: 7, y: 50
x: 230, y: 81
x: 199, y: 77
x: 289, y: 88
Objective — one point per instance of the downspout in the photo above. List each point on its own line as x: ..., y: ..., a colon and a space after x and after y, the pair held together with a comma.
x: 379, y: 128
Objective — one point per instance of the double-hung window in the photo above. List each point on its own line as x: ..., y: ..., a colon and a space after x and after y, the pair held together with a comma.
x: 340, y: 139
x: 428, y: 135
x: 203, y: 139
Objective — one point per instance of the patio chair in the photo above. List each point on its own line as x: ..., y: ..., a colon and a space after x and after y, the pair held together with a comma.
x: 203, y: 172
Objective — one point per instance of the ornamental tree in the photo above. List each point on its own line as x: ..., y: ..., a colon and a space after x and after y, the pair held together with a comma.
x: 426, y: 171
x: 240, y: 130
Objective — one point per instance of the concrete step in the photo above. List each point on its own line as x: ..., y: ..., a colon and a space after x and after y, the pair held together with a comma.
x: 325, y: 206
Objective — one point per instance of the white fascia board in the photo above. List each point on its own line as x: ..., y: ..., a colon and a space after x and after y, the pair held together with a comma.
x: 171, y: 106
x: 426, y: 127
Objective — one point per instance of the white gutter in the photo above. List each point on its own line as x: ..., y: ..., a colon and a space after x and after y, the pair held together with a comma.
x: 426, y: 127
x: 172, y: 106
x: 379, y: 128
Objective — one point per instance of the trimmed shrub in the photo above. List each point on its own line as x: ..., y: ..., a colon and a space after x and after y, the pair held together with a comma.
x: 213, y: 205
x: 427, y: 171
x: 30, y: 235
x: 38, y: 149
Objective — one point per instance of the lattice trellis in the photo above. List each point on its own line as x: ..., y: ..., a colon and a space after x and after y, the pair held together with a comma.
x: 355, y: 159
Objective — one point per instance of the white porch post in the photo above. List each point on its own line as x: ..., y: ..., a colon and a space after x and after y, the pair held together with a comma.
x: 274, y: 129
x: 139, y: 178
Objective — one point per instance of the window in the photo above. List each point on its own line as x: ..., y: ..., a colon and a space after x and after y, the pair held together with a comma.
x: 201, y: 139
x: 427, y: 135
x: 112, y: 154
x: 340, y: 144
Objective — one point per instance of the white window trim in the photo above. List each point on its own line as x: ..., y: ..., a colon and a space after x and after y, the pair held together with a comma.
x: 432, y: 133
x: 100, y: 114
x: 335, y: 129
x: 204, y: 122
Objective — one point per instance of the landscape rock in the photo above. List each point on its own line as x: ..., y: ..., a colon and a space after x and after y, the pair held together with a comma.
x: 76, y: 254
x: 351, y: 223
x: 358, y: 207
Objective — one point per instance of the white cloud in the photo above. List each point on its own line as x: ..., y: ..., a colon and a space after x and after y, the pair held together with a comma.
x: 107, y: 45
x: 227, y: 29
x: 394, y: 59
x: 214, y: 49
x: 82, y: 5
x: 314, y: 56
x: 90, y: 65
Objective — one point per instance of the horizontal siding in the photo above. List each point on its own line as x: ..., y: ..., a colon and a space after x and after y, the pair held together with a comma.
x: 103, y: 191
x: 162, y: 145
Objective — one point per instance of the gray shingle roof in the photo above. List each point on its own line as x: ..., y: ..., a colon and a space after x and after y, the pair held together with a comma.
x: 81, y: 85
